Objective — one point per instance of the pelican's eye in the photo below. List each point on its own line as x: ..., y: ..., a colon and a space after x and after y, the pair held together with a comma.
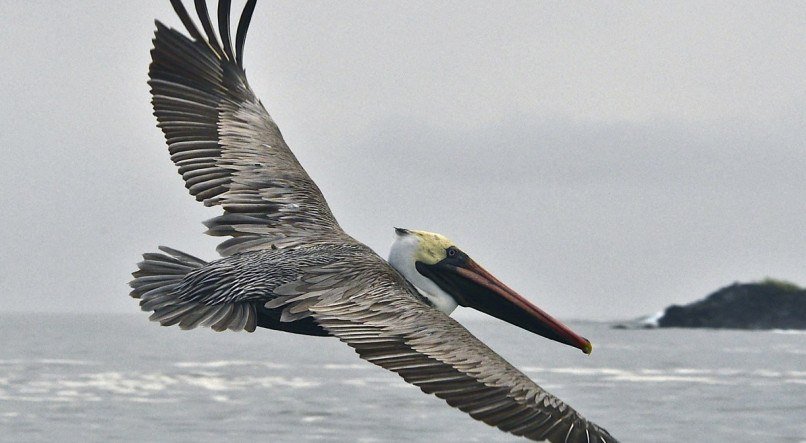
x: 451, y: 251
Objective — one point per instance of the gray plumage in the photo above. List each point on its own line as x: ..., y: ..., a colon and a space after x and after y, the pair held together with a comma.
x: 288, y: 265
x: 228, y: 149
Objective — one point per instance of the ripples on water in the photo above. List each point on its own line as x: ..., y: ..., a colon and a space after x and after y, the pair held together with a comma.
x: 80, y: 378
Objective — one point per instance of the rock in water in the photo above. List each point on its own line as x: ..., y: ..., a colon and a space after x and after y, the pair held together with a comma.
x: 770, y: 304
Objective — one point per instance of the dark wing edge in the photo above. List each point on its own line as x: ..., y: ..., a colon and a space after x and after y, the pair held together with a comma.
x: 225, y: 144
x: 432, y: 351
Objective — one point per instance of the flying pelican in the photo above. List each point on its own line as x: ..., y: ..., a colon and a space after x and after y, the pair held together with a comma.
x: 289, y: 266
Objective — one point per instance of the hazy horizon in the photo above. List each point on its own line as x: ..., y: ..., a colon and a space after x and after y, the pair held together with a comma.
x: 604, y: 161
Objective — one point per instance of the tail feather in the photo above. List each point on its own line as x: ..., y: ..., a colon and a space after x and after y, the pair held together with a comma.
x: 159, y: 273
x: 184, y: 257
x: 157, y: 284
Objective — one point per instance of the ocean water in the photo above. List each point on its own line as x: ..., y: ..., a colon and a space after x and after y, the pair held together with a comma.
x: 123, y: 378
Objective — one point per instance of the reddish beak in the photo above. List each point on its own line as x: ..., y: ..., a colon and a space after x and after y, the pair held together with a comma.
x: 512, y: 307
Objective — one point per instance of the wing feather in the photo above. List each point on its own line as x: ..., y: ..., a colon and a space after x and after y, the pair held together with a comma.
x: 224, y: 7
x: 389, y: 325
x: 225, y: 144
x: 204, y: 17
x: 243, y: 26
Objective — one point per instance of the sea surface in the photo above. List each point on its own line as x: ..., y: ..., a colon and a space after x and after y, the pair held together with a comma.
x: 122, y: 378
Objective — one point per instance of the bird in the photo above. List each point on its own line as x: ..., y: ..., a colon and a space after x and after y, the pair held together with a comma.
x: 287, y: 265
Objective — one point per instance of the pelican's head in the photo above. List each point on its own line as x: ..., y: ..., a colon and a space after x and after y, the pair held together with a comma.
x: 448, y: 277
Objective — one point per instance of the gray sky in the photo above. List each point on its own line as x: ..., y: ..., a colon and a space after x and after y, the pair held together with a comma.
x: 604, y: 159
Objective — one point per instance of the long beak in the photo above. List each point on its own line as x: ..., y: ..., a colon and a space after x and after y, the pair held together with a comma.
x: 474, y: 287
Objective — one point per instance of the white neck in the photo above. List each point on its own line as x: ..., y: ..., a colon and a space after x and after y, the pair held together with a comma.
x: 401, y: 257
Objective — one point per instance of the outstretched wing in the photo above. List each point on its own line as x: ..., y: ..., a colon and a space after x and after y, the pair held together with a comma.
x: 367, y: 305
x: 348, y: 291
x: 228, y: 149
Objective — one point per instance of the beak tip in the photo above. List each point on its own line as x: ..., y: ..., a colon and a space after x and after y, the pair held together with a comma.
x: 587, y: 347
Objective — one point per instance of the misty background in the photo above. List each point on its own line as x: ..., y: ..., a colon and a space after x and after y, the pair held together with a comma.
x: 605, y: 160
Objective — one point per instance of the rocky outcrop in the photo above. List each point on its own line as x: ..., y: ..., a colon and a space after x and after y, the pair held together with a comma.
x: 770, y: 304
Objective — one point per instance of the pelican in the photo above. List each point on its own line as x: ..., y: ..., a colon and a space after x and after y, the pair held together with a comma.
x: 289, y: 266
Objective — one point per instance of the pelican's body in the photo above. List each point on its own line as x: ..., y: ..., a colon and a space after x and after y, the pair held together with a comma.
x: 289, y: 266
